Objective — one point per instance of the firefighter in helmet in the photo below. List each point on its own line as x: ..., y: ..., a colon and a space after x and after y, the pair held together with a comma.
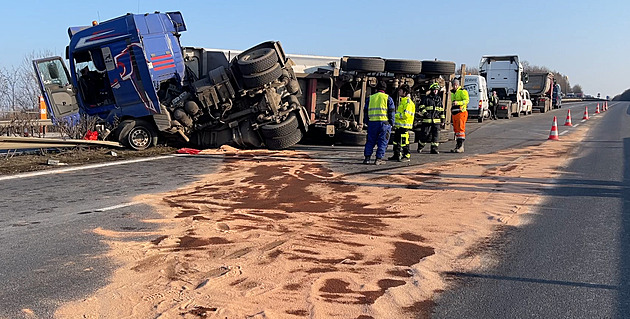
x: 431, y: 111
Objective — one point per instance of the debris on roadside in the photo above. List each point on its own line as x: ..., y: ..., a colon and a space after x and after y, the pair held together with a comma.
x: 54, y: 162
x: 112, y: 153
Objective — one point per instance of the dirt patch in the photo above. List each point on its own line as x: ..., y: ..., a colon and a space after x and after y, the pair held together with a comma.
x: 76, y: 156
x: 293, y: 239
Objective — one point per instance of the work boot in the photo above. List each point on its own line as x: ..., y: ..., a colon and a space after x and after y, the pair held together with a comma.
x: 367, y: 160
x: 394, y: 157
x: 458, y: 145
x: 434, y: 149
x: 379, y: 161
x: 405, y: 159
x: 420, y: 147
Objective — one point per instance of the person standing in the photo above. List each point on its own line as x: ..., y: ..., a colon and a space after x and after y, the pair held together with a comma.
x: 380, y: 110
x: 431, y: 111
x: 459, y: 98
x: 494, y: 103
x: 403, y: 122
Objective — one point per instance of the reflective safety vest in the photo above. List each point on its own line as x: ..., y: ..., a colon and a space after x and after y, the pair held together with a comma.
x: 460, y: 100
x: 405, y: 113
x: 432, y: 110
x: 377, y: 109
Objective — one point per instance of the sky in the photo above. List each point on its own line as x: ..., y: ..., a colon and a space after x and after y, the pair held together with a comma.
x: 586, y: 40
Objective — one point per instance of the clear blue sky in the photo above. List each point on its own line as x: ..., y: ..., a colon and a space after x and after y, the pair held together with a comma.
x: 587, y: 40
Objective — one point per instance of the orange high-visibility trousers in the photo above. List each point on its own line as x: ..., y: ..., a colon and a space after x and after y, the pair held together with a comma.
x: 459, y: 124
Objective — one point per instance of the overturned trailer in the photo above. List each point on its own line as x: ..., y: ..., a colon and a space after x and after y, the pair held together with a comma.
x: 335, y: 90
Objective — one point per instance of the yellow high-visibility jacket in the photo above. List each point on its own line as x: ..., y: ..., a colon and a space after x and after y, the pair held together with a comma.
x: 460, y: 100
x: 405, y: 113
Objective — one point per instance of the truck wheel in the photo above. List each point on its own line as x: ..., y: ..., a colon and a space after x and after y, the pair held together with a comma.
x: 140, y: 136
x: 259, y: 79
x: 351, y: 137
x: 365, y: 64
x: 282, y: 142
x: 403, y: 66
x: 438, y: 67
x: 517, y: 114
x: 480, y: 118
x: 257, y: 61
x: 284, y: 128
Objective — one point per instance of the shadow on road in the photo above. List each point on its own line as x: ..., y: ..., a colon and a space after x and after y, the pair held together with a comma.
x: 532, y: 280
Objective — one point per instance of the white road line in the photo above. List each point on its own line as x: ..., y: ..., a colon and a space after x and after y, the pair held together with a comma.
x: 83, y: 167
x: 576, y: 125
x: 104, y: 209
x: 564, y: 132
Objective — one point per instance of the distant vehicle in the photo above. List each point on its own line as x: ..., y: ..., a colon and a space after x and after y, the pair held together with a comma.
x: 526, y: 103
x: 540, y: 89
x: 504, y: 74
x: 478, y: 94
x: 557, y: 96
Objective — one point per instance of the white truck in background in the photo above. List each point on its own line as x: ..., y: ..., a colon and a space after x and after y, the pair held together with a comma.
x: 504, y: 74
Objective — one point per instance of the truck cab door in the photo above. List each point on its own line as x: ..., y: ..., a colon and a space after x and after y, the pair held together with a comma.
x: 57, y: 89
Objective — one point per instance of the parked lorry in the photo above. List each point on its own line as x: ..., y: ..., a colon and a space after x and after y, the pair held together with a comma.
x: 504, y: 74
x: 133, y: 75
x: 540, y: 87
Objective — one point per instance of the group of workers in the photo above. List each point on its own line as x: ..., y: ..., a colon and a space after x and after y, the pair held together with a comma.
x: 382, y: 116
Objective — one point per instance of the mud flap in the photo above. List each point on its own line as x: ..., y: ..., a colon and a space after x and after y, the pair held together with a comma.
x: 304, y: 120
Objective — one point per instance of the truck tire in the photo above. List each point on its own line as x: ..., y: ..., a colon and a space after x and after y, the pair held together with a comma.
x: 480, y: 117
x: 259, y: 79
x: 365, y: 64
x: 282, y: 142
x: 351, y: 137
x: 438, y: 67
x: 284, y: 128
x: 257, y: 61
x: 139, y: 136
x: 403, y: 66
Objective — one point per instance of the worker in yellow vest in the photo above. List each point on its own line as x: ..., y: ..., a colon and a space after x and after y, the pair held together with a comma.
x: 459, y: 98
x: 403, y: 122
x: 380, y: 109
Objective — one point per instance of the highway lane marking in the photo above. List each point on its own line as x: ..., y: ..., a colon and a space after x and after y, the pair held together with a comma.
x: 576, y: 125
x: 104, y: 209
x: 564, y: 132
x: 83, y: 167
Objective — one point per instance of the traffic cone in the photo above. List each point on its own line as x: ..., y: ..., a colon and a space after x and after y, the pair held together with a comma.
x: 585, y: 117
x: 597, y: 109
x: 568, y: 121
x: 606, y: 106
x: 553, y: 135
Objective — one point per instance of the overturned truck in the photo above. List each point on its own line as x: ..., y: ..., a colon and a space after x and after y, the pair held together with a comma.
x: 132, y: 74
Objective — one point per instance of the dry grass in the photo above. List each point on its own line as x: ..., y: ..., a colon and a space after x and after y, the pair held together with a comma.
x: 12, y: 164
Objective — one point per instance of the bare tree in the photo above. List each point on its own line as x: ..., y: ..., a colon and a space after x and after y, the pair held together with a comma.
x: 469, y: 70
x: 577, y: 89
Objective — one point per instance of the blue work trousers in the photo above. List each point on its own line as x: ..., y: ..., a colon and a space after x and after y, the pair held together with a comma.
x: 377, y: 134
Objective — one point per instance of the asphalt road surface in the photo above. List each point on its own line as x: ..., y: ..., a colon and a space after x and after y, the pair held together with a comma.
x: 50, y: 254
x: 573, y: 260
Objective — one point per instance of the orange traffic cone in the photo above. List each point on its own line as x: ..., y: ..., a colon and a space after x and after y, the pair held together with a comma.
x: 553, y: 135
x: 597, y: 109
x: 568, y: 121
x: 585, y: 117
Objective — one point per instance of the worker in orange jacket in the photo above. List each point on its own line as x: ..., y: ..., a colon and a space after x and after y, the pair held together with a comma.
x: 459, y: 98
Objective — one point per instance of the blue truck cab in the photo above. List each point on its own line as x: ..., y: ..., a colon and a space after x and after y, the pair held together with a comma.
x: 132, y: 74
